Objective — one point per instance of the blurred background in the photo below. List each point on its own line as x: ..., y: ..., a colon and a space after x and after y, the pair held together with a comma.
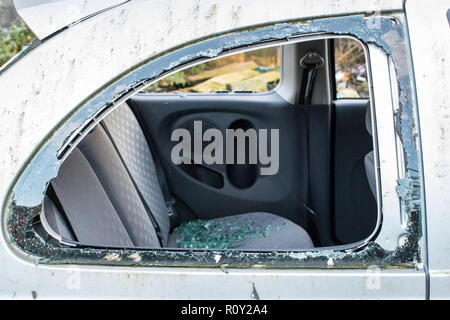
x: 350, y: 69
x: 14, y: 34
x: 257, y: 71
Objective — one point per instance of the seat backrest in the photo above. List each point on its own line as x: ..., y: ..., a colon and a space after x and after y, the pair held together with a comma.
x: 108, y: 166
x: 128, y: 137
x: 55, y: 220
x: 108, y: 188
x: 91, y: 214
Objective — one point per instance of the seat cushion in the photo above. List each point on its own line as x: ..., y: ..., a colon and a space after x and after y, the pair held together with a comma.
x: 257, y: 230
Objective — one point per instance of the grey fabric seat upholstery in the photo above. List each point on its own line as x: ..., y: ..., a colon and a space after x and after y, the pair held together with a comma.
x: 106, y: 163
x: 86, y: 204
x: 282, y: 234
x: 369, y: 162
x: 55, y: 220
x: 110, y: 196
x: 131, y: 143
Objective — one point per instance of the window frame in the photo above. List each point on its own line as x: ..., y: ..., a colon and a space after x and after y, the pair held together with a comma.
x: 348, y: 256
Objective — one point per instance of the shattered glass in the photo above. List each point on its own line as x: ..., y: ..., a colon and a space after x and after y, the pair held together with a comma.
x: 216, y: 234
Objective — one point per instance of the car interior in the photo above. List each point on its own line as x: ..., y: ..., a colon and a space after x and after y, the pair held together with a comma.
x: 119, y: 188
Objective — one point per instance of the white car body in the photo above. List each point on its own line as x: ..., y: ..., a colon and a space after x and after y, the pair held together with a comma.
x: 43, y: 88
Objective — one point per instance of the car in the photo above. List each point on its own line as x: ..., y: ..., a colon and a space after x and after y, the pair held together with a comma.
x: 227, y: 150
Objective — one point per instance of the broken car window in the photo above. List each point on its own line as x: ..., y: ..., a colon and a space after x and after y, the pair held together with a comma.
x: 253, y: 71
x: 350, y: 69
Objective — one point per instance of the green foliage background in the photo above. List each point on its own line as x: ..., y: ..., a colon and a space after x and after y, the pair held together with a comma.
x: 13, y: 38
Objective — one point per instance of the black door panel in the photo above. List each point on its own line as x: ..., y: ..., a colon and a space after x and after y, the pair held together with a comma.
x: 218, y: 190
x: 319, y: 118
x: 355, y: 210
x: 344, y: 210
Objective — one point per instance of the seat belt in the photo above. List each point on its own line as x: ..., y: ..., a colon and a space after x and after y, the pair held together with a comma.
x: 144, y: 202
x: 310, y: 62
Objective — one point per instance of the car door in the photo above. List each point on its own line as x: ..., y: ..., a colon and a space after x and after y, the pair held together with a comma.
x: 387, y: 264
x: 432, y: 98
